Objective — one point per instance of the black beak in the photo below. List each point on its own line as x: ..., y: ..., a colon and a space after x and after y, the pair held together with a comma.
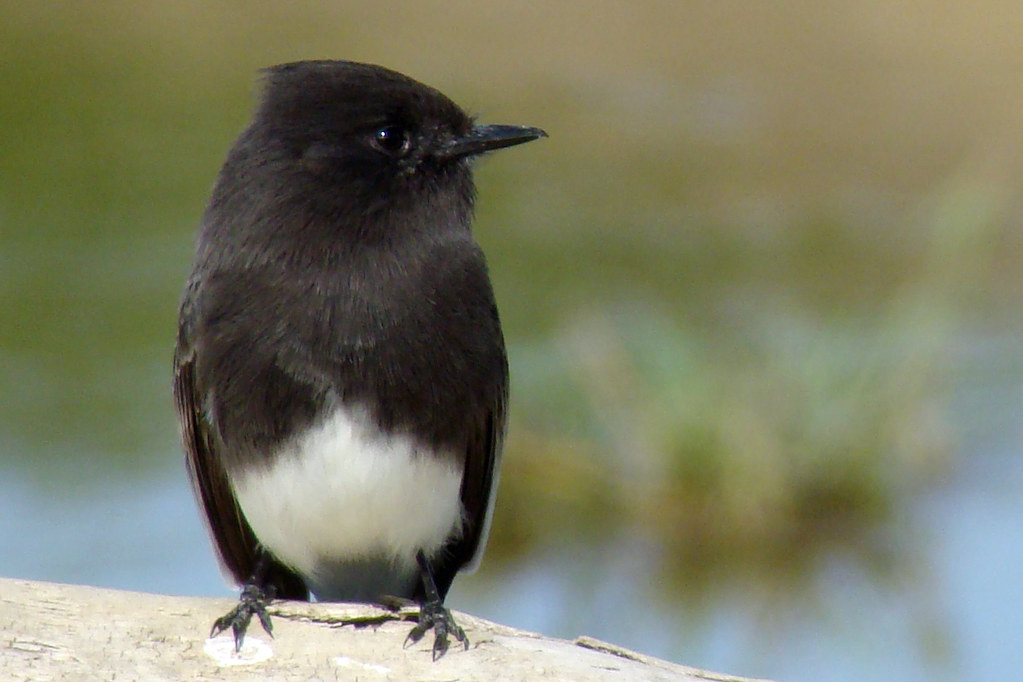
x: 487, y: 138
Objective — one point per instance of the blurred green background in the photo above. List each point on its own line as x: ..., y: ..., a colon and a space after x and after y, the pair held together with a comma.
x: 760, y: 289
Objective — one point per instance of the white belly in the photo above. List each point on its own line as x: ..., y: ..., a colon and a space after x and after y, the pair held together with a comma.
x: 344, y: 492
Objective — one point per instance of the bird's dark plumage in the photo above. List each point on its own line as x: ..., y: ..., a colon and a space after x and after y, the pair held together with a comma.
x: 338, y: 315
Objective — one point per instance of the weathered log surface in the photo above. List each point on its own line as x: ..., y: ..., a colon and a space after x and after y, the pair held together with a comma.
x: 51, y: 631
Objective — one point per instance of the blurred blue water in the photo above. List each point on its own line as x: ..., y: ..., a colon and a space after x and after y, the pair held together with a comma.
x: 141, y: 534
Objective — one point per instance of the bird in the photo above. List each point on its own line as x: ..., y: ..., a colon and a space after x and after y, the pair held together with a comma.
x: 340, y: 373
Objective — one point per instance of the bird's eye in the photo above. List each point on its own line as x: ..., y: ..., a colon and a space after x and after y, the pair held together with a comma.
x: 393, y: 140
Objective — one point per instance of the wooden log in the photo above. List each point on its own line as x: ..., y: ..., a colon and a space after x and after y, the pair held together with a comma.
x: 51, y: 631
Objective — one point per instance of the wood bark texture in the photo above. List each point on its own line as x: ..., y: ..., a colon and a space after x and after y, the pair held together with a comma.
x: 51, y: 631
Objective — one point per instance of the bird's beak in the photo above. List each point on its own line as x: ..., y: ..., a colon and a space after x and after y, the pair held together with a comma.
x: 487, y: 138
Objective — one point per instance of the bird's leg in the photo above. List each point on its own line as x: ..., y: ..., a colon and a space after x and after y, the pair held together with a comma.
x: 433, y: 615
x: 254, y: 599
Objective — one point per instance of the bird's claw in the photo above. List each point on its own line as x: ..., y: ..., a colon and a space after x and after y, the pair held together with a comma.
x: 253, y: 602
x: 433, y: 616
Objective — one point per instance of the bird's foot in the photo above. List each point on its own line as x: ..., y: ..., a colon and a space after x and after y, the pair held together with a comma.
x: 433, y: 616
x: 253, y: 602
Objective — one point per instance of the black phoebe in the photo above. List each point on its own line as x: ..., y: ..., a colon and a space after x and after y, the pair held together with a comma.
x: 340, y: 373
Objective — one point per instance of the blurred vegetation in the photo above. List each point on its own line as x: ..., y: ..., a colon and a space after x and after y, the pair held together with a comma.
x: 735, y: 280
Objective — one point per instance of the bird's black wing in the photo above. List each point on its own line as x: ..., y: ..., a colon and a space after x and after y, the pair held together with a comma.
x: 479, y: 487
x: 235, y: 542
